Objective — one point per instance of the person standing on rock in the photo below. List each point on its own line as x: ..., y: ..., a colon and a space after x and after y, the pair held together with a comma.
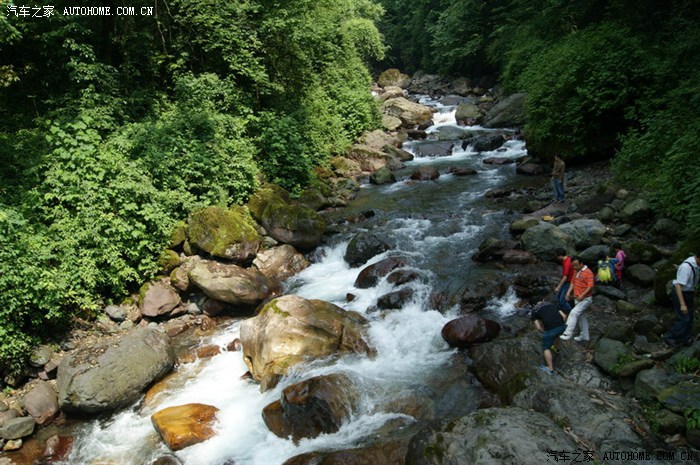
x: 551, y: 322
x: 620, y: 265
x: 683, y: 299
x: 567, y: 274
x: 558, y: 178
x: 582, y: 290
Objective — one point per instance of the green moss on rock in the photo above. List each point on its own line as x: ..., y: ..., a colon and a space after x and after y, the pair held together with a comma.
x: 224, y: 233
x: 168, y: 260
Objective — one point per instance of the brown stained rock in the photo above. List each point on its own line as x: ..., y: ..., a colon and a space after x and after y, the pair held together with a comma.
x: 58, y: 448
x: 158, y: 298
x: 470, y: 329
x: 370, y: 275
x: 158, y: 388
x: 208, y: 351
x: 41, y: 402
x: 185, y: 425
x: 234, y: 346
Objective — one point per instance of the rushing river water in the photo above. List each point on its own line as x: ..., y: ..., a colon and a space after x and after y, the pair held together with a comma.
x: 437, y: 224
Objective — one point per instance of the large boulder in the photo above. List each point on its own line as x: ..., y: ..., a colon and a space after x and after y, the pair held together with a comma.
x: 469, y: 329
x: 636, y: 211
x: 17, y: 428
x: 493, y: 436
x: 291, y: 329
x: 425, y: 173
x: 363, y: 246
x: 280, y: 262
x: 223, y: 233
x: 590, y: 254
x: 185, y: 425
x: 468, y: 113
x: 111, y: 374
x: 584, y: 232
x: 485, y: 143
x: 644, y: 275
x: 158, y: 298
x: 370, y: 159
x: 508, y: 113
x: 382, y: 176
x: 345, y: 167
x: 231, y: 283
x: 369, y: 276
x: 411, y: 114
x: 393, y: 77
x: 312, y: 407
x: 295, y: 225
x: 544, y: 239
x: 610, y: 355
x: 682, y: 397
x: 41, y: 402
x: 431, y: 148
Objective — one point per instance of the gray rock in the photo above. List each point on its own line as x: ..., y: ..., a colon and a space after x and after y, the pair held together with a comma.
x: 626, y: 308
x: 649, y: 383
x: 493, y: 436
x: 636, y: 211
x: 364, y: 246
x: 468, y: 112
x: 41, y: 402
x: 41, y: 356
x: 523, y: 224
x: 620, y: 331
x: 157, y: 298
x: 609, y: 355
x: 622, y: 229
x: 606, y: 214
x: 486, y: 143
x: 590, y: 255
x: 508, y: 113
x: 644, y: 275
x: 17, y: 428
x: 669, y: 423
x: 610, y: 292
x: 116, y: 312
x: 112, y: 374
x: 431, y: 148
x: 382, y: 176
x: 646, y: 325
x: 681, y: 397
x: 8, y: 415
x: 544, y: 239
x: 585, y: 232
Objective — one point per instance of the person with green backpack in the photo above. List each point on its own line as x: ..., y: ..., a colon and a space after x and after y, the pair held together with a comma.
x: 606, y: 269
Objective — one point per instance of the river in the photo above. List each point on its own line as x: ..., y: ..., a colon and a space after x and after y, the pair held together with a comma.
x: 438, y: 225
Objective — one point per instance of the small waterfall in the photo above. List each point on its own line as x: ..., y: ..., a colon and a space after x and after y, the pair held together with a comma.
x: 436, y: 225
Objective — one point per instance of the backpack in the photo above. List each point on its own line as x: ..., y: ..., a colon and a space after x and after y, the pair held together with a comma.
x: 604, y: 274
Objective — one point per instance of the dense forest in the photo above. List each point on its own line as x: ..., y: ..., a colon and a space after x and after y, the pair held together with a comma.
x: 115, y: 127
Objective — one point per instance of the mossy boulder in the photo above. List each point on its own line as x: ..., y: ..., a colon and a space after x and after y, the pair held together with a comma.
x: 393, y: 77
x: 179, y: 234
x: 168, y: 260
x: 295, y: 225
x: 290, y: 330
x: 223, y: 233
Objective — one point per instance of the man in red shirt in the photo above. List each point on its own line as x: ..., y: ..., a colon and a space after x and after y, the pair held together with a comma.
x: 567, y: 274
x: 582, y: 290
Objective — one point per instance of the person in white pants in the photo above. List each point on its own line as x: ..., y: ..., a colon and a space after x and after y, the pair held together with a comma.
x: 582, y: 289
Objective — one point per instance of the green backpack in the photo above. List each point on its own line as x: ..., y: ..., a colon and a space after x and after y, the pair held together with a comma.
x: 604, y: 273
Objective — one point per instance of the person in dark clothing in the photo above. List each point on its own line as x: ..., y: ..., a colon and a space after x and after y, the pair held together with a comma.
x: 567, y: 275
x: 683, y: 299
x: 551, y: 322
x: 558, y: 179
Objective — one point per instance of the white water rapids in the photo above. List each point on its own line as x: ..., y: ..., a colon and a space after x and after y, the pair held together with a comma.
x: 408, y: 342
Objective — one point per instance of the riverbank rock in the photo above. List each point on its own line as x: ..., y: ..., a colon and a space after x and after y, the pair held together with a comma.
x: 636, y: 211
x: 544, y: 239
x: 185, y: 425
x: 223, y: 233
x: 312, y: 407
x: 41, y: 402
x: 111, y: 374
x: 492, y: 436
x: 17, y: 428
x: 158, y: 298
x: 231, y: 283
x: 432, y: 148
x: 468, y: 113
x: 425, y: 173
x: 280, y: 262
x: 411, y: 114
x: 584, y: 232
x: 610, y: 355
x: 485, y: 143
x: 470, y: 329
x: 291, y: 329
x: 393, y: 77
x: 641, y: 274
x: 382, y: 176
x: 295, y: 225
x: 508, y: 113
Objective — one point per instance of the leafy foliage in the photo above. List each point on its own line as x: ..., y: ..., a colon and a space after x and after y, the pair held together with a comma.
x: 114, y: 128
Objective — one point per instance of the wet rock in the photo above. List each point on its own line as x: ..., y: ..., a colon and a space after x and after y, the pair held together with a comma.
x: 382, y: 176
x: 111, y: 374
x: 223, y: 233
x: 158, y: 298
x: 312, y: 407
x: 531, y: 169
x: 291, y: 329
x: 485, y: 143
x: 416, y: 134
x: 364, y: 246
x: 454, y: 171
x: 425, y: 173
x: 12, y: 444
x: 167, y: 460
x: 398, y: 153
x: 211, y: 307
x: 394, y: 300
x: 498, y: 161
x: 231, y: 283
x: 280, y: 262
x: 521, y: 225
x: 369, y: 276
x: 477, y: 293
x: 490, y: 249
x: 41, y: 402
x: 234, y: 346
x: 470, y: 329
x: 58, y: 448
x: 400, y: 277
x: 498, y: 193
x: 185, y: 425
x: 468, y: 113
x: 383, y: 452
